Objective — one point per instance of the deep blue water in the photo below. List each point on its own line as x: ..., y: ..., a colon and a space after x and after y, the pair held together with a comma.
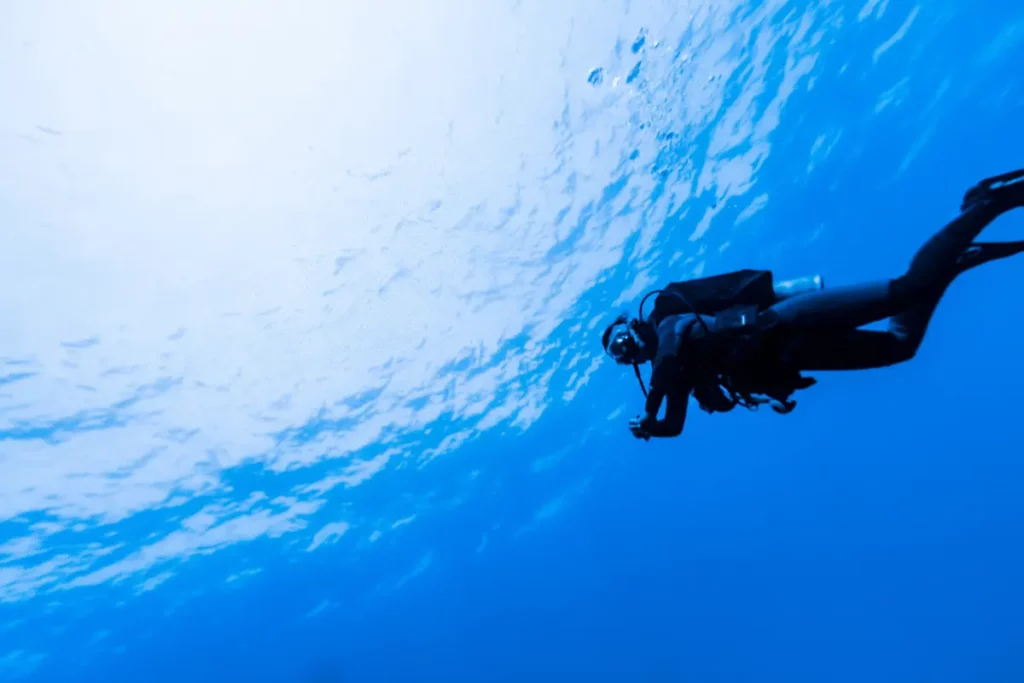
x: 300, y: 371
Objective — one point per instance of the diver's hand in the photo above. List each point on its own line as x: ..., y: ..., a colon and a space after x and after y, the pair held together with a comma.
x: 638, y: 427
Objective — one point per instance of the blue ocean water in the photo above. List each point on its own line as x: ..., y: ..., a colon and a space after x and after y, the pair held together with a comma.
x: 300, y: 371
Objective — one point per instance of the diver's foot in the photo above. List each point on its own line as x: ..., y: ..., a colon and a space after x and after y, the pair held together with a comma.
x: 1006, y: 191
x: 970, y: 257
x: 983, y: 252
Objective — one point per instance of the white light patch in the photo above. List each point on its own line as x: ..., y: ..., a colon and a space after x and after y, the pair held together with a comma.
x: 306, y: 236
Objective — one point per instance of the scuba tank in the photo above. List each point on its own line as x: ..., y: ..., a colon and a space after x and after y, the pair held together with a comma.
x: 801, y: 285
x: 736, y: 294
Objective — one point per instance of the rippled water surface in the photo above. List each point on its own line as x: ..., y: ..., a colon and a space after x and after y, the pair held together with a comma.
x: 300, y: 369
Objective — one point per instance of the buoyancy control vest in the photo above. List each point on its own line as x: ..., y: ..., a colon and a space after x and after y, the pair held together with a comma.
x: 734, y: 300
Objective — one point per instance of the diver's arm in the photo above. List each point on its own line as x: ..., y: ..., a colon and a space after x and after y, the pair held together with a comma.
x: 654, y: 398
x: 675, y: 415
x: 672, y: 424
x: 640, y: 424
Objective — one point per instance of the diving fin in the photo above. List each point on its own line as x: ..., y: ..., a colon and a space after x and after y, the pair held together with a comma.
x: 1006, y: 189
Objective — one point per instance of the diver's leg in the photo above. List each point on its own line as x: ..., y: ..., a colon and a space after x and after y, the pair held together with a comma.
x: 982, y: 252
x: 815, y: 349
x: 932, y: 269
x: 940, y: 259
x: 832, y: 348
x: 910, y: 326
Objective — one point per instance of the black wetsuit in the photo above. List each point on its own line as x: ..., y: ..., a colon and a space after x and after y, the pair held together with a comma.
x: 818, y: 330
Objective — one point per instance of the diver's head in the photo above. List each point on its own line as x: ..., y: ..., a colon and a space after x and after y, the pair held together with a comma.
x: 628, y: 341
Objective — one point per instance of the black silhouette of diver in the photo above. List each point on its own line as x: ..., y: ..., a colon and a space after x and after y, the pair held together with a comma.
x: 742, y: 339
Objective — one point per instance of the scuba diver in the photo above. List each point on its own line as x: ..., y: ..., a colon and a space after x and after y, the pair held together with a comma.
x: 742, y: 339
